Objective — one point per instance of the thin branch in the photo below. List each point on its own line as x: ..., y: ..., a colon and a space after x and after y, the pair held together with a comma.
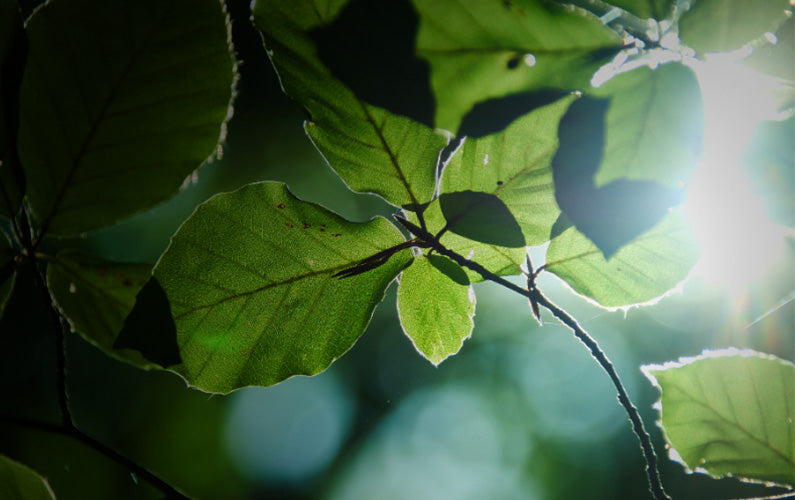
x: 535, y: 295
x: 75, y: 433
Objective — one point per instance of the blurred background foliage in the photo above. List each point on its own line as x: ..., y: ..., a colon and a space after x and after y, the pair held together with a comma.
x: 520, y: 412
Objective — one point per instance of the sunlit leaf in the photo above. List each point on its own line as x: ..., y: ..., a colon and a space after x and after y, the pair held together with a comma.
x: 502, y: 261
x: 655, y: 9
x: 514, y: 165
x: 96, y: 295
x: 723, y: 25
x: 114, y: 115
x: 654, y: 125
x: 481, y: 217
x: 776, y: 57
x: 480, y: 50
x: 19, y: 482
x: 7, y: 274
x: 653, y: 264
x: 770, y: 164
x: 250, y: 279
x: 435, y: 311
x: 730, y: 413
x: 372, y: 149
x: 614, y: 214
x: 13, y: 52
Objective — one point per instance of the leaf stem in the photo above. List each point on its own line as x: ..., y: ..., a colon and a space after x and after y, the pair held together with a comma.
x: 535, y: 295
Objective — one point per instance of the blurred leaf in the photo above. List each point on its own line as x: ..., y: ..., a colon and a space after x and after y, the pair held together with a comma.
x: 481, y: 217
x: 724, y: 25
x: 435, y: 311
x: 370, y: 48
x: 249, y: 277
x: 481, y: 50
x: 654, y: 125
x: 372, y: 149
x: 13, y: 52
x: 645, y: 269
x: 7, y: 274
x: 614, y: 214
x: 776, y: 58
x: 654, y: 9
x: 770, y: 164
x: 19, y: 482
x: 96, y: 296
x: 143, y: 90
x: 730, y: 413
x: 502, y: 261
x: 514, y: 165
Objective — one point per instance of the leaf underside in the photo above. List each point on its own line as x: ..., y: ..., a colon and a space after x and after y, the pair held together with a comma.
x: 250, y: 281
x: 730, y: 413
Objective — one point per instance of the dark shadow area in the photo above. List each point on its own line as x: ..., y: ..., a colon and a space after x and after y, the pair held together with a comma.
x: 481, y: 217
x: 149, y: 328
x: 493, y: 115
x: 370, y: 48
x: 612, y: 215
x: 449, y: 269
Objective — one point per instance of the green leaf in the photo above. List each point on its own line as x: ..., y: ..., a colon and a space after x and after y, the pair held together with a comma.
x: 655, y: 9
x: 502, y: 261
x: 372, y: 149
x: 96, y: 296
x: 730, y: 412
x: 653, y: 264
x: 143, y: 90
x: 654, y: 125
x: 13, y: 52
x: 776, y: 58
x: 723, y: 25
x: 250, y: 279
x: 7, y: 274
x: 481, y: 217
x: 770, y: 166
x: 435, y: 311
x: 480, y: 50
x: 19, y: 482
x: 514, y: 165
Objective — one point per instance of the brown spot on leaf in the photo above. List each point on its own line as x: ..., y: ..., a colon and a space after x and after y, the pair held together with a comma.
x: 288, y: 224
x: 322, y: 230
x: 499, y: 183
x: 281, y: 206
x: 307, y: 225
x: 127, y: 282
x: 337, y: 235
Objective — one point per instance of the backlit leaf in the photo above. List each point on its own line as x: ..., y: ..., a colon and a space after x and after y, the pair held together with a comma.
x: 19, y: 482
x: 116, y: 114
x: 435, y: 311
x: 723, y: 25
x: 96, y: 296
x: 655, y: 9
x: 372, y: 149
x: 481, y: 217
x: 514, y: 165
x: 730, y: 413
x: 775, y: 56
x: 250, y: 279
x: 654, y: 263
x: 770, y: 165
x: 480, y: 50
x: 654, y: 125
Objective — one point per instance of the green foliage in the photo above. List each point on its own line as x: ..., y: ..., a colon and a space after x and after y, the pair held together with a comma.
x: 18, y: 482
x: 97, y: 295
x: 480, y: 50
x: 436, y: 305
x: 723, y: 25
x: 730, y: 413
x: 769, y: 160
x: 258, y: 286
x: 266, y: 305
x: 143, y: 90
x: 639, y: 272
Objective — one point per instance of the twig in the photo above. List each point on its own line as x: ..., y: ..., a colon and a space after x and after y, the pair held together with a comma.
x: 535, y: 295
x: 75, y: 433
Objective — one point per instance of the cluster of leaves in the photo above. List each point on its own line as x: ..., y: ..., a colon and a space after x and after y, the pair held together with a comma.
x: 476, y: 120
